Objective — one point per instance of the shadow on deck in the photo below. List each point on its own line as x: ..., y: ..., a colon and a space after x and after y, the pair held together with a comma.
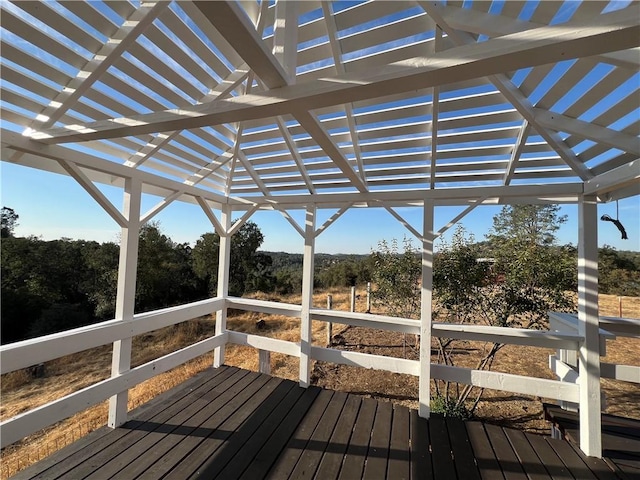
x: 232, y: 423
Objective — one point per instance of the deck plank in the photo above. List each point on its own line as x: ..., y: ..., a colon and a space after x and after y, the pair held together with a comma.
x: 571, y: 459
x: 77, y: 452
x: 420, y: 454
x: 309, y: 458
x: 442, y: 457
x: 511, y: 468
x: 191, y: 443
x: 357, y: 450
x: 378, y: 453
x: 331, y: 462
x: 483, y: 452
x: 130, y: 433
x: 162, y: 437
x: 232, y: 423
x: 399, y: 456
x: 549, y: 458
x: 275, y: 442
x: 527, y: 456
x: 235, y: 435
x: 461, y: 449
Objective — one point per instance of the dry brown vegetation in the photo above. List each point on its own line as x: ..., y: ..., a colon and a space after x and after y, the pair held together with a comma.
x: 21, y: 392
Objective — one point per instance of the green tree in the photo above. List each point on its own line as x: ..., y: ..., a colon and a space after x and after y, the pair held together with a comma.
x: 8, y: 222
x: 164, y: 275
x: 396, y: 277
x: 245, y: 262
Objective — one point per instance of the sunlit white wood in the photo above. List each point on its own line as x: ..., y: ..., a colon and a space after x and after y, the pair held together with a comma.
x: 538, y: 387
x: 514, y: 95
x: 264, y: 306
x: 460, y: 216
x: 289, y: 218
x: 517, y: 152
x: 291, y: 145
x: 588, y: 327
x: 404, y: 223
x: 96, y: 194
x: 426, y: 309
x: 110, y: 52
x: 611, y: 32
x: 357, y: 319
x: 217, y: 225
x: 591, y: 131
x: 493, y: 25
x: 158, y: 207
x: 336, y: 52
x: 307, y: 295
x: 285, y: 37
x: 26, y: 353
x: 564, y: 371
x: 617, y: 178
x: 264, y: 343
x: 242, y: 220
x: 126, y: 296
x: 366, y: 360
x: 224, y: 261
x: 626, y: 373
x: 104, y: 169
x: 331, y: 220
x: 511, y: 336
x: 229, y: 20
x: 24, y: 424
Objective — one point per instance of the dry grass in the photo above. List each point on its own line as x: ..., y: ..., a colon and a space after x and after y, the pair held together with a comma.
x: 21, y: 392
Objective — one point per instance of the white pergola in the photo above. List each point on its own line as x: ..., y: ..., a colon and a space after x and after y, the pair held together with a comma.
x: 257, y: 105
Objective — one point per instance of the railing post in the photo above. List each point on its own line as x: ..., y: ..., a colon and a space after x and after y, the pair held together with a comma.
x: 264, y: 361
x: 329, y: 324
x: 424, y: 387
x: 307, y: 296
x: 126, y: 294
x: 588, y: 327
x: 223, y: 280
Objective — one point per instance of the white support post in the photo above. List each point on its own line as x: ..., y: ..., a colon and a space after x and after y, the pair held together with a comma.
x: 126, y: 295
x: 588, y: 327
x: 223, y: 279
x: 307, y: 296
x: 424, y: 389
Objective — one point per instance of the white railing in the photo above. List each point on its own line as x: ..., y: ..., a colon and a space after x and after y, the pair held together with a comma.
x: 31, y: 352
x: 23, y: 354
x: 565, y: 363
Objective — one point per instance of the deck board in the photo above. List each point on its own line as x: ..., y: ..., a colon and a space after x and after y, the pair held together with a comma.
x: 620, y: 440
x: 232, y: 423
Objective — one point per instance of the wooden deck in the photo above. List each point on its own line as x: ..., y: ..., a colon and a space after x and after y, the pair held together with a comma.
x: 620, y: 438
x: 232, y: 423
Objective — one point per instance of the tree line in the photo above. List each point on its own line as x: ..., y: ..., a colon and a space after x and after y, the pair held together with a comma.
x: 50, y: 286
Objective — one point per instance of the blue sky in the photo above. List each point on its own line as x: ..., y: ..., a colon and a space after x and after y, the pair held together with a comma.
x: 53, y: 206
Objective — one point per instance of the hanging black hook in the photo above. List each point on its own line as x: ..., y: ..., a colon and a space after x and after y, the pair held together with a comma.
x: 616, y: 222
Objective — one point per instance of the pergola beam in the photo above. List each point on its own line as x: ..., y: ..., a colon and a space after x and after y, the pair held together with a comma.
x: 606, y: 136
x: 611, y: 32
x: 512, y: 94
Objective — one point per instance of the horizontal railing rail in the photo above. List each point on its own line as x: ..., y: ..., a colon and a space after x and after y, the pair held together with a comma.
x: 30, y: 352
x: 29, y: 422
x: 26, y: 353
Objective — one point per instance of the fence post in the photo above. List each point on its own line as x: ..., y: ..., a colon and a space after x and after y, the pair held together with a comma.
x: 368, y: 297
x: 329, y: 324
x: 264, y: 361
x: 353, y: 299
